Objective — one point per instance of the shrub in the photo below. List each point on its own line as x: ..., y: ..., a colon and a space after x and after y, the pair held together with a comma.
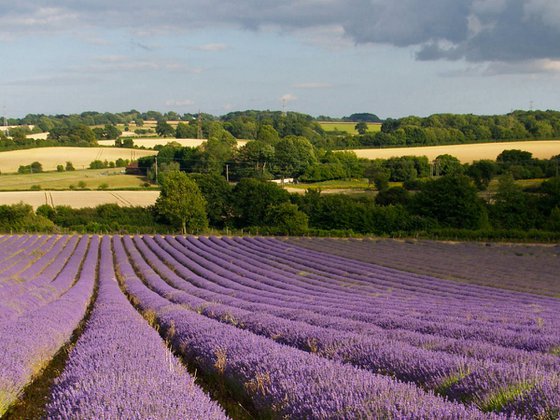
x: 34, y: 168
x: 98, y: 164
x: 287, y: 219
x: 21, y: 218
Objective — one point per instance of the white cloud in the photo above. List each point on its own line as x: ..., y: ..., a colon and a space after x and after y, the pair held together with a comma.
x: 212, y: 47
x: 179, y: 102
x: 288, y: 97
x: 313, y: 85
x: 531, y: 67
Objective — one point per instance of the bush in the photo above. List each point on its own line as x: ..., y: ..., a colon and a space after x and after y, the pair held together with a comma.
x: 452, y: 200
x: 286, y: 219
x: 60, y: 168
x: 98, y: 164
x: 21, y: 218
x: 121, y: 163
x: 394, y: 196
x: 34, y: 168
x: 69, y: 166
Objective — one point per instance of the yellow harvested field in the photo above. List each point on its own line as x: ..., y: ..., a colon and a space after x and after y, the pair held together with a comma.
x: 80, y: 199
x: 80, y: 157
x: 467, y: 153
x: 110, y: 178
x: 151, y: 142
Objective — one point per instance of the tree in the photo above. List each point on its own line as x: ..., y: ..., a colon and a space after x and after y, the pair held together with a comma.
x: 361, y: 128
x: 34, y: 168
x: 185, y: 131
x: 377, y: 174
x: 448, y: 165
x: 60, y: 168
x: 163, y: 129
x: 451, y: 200
x: 293, y: 155
x: 392, y: 196
x: 127, y: 142
x: 482, y: 172
x: 551, y: 195
x: 268, y: 134
x: 512, y: 208
x: 181, y: 202
x: 69, y: 166
x: 217, y: 152
x: 252, y: 197
x: 514, y: 156
x: 218, y: 195
x: 286, y: 219
x: 253, y: 159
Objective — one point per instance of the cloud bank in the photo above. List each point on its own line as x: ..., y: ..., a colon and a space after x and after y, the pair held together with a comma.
x: 506, y: 31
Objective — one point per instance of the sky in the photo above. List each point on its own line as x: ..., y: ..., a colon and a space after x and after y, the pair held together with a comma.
x: 322, y: 57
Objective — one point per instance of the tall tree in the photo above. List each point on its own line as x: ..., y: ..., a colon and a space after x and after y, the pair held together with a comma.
x: 451, y: 200
x: 163, y: 129
x: 181, y: 202
x: 361, y: 128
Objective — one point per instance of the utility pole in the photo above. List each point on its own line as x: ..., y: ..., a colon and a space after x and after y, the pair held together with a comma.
x: 227, y: 172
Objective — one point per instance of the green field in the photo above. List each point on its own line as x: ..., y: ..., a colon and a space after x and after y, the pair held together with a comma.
x: 93, y: 179
x: 347, y: 127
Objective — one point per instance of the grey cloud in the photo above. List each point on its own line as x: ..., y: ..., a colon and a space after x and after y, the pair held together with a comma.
x: 474, y: 30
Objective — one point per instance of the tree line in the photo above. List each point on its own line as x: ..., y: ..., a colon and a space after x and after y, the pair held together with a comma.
x: 447, y: 206
x: 407, y: 131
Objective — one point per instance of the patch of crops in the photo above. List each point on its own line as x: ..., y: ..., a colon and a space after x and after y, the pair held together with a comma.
x: 284, y: 331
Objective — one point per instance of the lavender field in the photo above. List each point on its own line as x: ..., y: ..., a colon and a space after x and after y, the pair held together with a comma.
x: 204, y: 328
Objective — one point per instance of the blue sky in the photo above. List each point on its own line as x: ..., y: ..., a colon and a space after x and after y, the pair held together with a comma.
x: 331, y: 57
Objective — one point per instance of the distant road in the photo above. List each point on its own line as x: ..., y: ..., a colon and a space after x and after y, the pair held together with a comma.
x: 467, y: 153
x: 80, y: 199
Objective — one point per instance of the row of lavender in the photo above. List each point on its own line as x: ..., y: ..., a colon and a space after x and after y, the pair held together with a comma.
x: 297, y: 333
x: 119, y: 366
x: 121, y: 369
x: 522, y: 267
x: 246, y: 282
x: 46, y: 304
x: 278, y: 380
